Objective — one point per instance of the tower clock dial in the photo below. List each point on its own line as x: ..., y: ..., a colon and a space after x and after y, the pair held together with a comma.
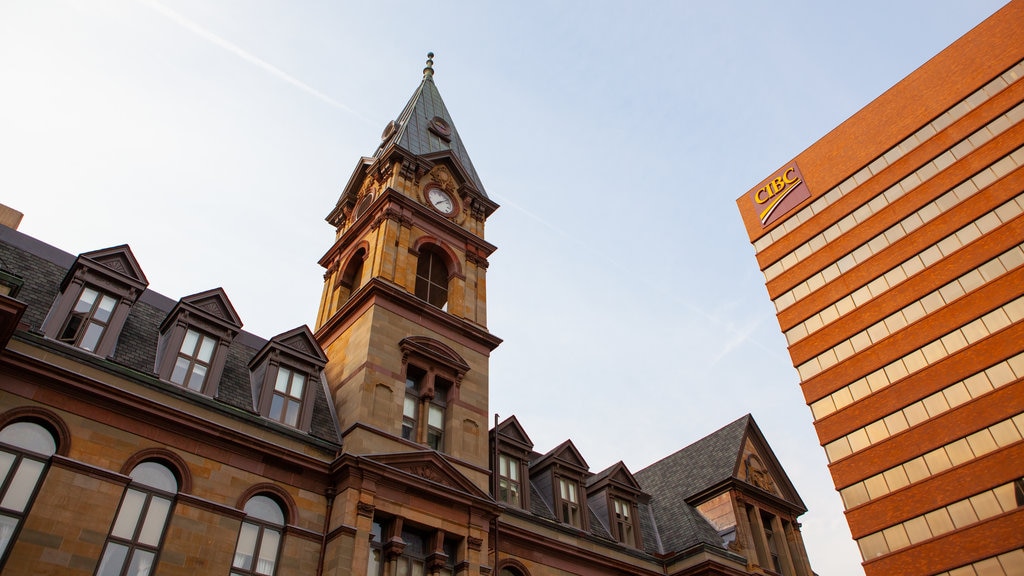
x: 441, y: 201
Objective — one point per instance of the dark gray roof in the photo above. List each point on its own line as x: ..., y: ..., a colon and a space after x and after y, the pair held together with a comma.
x: 699, y: 466
x: 42, y: 267
x: 415, y: 136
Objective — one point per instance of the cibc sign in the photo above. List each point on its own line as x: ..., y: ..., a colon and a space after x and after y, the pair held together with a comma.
x: 779, y: 194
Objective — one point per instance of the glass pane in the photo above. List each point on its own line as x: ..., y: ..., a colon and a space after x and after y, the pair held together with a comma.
x: 268, y: 552
x: 283, y: 375
x: 6, y: 461
x: 292, y: 417
x: 266, y: 509
x: 435, y: 416
x: 156, y: 518
x: 92, y: 336
x: 409, y: 409
x: 142, y: 563
x: 22, y: 485
x: 276, y: 407
x: 188, y: 345
x: 85, y: 301
x: 155, y: 475
x: 7, y: 526
x: 206, y: 349
x: 105, y: 309
x: 195, y: 381
x: 29, y: 436
x: 180, y: 370
x: 298, y: 383
x: 128, y: 516
x: 246, y: 545
x: 113, y: 559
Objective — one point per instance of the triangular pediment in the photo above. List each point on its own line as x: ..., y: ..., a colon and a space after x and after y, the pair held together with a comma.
x: 565, y: 454
x: 615, y: 475
x: 215, y: 303
x: 119, y: 259
x: 511, y: 431
x: 432, y: 467
x: 302, y: 341
x: 757, y: 466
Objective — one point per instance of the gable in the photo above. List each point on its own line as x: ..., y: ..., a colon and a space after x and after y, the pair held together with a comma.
x: 757, y: 466
x: 215, y: 303
x: 432, y: 467
x: 118, y: 259
x: 513, y: 432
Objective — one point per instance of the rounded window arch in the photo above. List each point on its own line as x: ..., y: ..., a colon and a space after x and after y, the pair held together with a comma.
x: 432, y: 274
x: 259, y: 538
x: 511, y: 567
x: 352, y: 276
x: 25, y: 450
x: 142, y: 518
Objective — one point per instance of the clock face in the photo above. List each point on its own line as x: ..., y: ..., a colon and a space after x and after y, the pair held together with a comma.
x: 441, y: 201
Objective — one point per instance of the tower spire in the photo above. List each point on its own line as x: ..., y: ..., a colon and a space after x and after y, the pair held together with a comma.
x: 428, y: 72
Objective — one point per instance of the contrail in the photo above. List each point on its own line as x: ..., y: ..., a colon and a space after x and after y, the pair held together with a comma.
x: 238, y: 51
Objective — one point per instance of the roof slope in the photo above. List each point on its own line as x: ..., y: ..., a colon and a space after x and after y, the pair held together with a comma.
x: 415, y: 133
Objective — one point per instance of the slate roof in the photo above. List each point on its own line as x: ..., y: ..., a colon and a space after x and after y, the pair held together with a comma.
x: 700, y: 465
x: 43, y: 267
x: 415, y: 136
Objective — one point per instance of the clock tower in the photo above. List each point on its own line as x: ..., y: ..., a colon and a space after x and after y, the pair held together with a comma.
x: 403, y: 315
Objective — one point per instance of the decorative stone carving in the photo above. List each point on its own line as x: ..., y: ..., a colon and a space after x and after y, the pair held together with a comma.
x: 365, y: 509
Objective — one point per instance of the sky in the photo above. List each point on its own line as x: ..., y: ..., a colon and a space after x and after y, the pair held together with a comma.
x: 214, y: 137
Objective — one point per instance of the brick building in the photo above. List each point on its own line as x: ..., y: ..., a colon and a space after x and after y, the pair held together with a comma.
x: 141, y: 434
x: 893, y: 251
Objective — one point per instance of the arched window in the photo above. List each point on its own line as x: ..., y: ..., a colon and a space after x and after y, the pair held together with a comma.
x: 432, y: 278
x: 25, y: 451
x: 141, y: 521
x: 259, y: 539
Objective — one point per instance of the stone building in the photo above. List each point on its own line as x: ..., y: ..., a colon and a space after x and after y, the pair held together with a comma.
x: 892, y: 250
x: 141, y: 434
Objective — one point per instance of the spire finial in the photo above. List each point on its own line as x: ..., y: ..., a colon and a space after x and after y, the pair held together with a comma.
x: 428, y: 72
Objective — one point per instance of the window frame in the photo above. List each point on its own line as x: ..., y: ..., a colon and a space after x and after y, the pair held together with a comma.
x: 262, y: 526
x: 209, y: 314
x: 134, y: 543
x: 297, y: 352
x: 509, y: 463
x: 19, y: 455
x: 564, y: 506
x: 113, y: 272
x: 617, y: 522
x: 429, y: 287
x: 426, y: 392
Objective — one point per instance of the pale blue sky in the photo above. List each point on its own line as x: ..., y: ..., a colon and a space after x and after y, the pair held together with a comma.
x: 214, y: 137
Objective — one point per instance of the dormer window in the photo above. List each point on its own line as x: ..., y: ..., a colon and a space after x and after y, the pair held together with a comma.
x: 95, y: 298
x: 284, y: 374
x: 569, y: 502
x: 286, y: 402
x: 194, y: 358
x: 194, y: 341
x: 509, y: 487
x: 622, y: 517
x: 89, y: 319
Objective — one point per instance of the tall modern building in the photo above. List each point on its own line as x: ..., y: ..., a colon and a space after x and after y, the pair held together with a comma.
x: 141, y: 434
x: 893, y: 251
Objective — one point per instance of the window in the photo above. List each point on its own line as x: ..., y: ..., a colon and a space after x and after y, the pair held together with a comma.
x: 25, y: 451
x: 286, y: 373
x: 142, y: 518
x: 623, y: 521
x: 432, y: 278
x: 773, y: 546
x: 427, y: 394
x: 259, y: 539
x: 508, y: 480
x: 95, y: 297
x: 194, y: 340
x: 417, y: 553
x: 88, y: 320
x: 287, y: 399
x: 568, y: 495
x: 194, y: 359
